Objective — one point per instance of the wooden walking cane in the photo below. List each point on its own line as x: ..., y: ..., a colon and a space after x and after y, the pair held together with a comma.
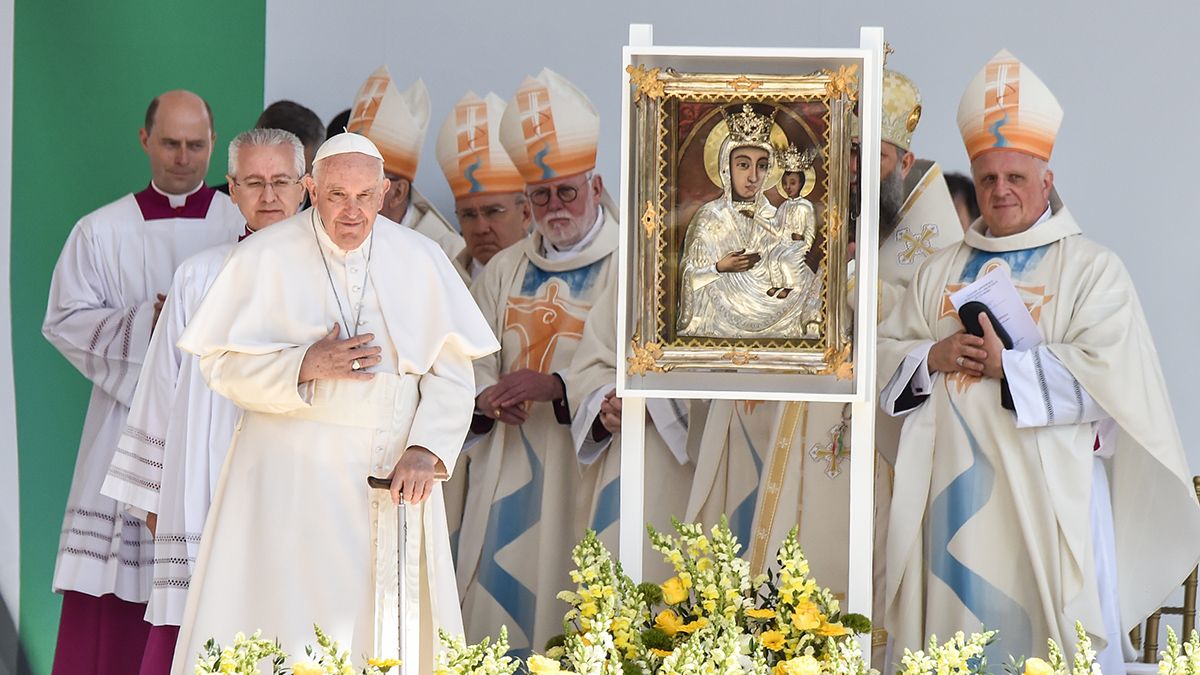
x: 407, y: 653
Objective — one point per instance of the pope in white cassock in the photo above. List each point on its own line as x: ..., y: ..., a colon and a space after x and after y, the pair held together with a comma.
x: 100, y: 314
x: 773, y: 466
x: 396, y: 122
x: 171, y: 452
x: 526, y: 494
x: 295, y: 536
x: 1002, y: 514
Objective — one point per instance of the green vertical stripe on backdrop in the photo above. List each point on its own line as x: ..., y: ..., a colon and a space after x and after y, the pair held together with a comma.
x: 83, y: 75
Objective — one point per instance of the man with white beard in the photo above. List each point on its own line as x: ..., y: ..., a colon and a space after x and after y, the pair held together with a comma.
x: 525, y: 492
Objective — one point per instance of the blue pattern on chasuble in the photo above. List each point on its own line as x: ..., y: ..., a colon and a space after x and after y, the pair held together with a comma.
x: 948, y: 513
x: 1020, y: 263
x: 608, y: 506
x: 580, y: 280
x: 469, y: 174
x: 1001, y: 141
x: 742, y: 519
x: 511, y: 517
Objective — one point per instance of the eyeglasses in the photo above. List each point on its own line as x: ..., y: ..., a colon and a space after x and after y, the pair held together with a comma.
x: 256, y: 186
x: 541, y: 196
x: 486, y: 213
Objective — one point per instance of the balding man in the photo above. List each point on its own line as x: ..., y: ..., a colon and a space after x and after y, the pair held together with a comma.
x: 341, y: 377
x: 1003, y: 515
x: 174, y: 443
x: 104, y: 301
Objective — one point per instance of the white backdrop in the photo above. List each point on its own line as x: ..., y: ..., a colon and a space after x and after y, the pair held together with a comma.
x: 1126, y: 74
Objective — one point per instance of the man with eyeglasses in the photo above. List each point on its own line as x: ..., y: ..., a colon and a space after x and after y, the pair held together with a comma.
x: 526, y: 494
x: 104, y: 301
x: 489, y: 193
x: 172, y: 449
x: 396, y: 121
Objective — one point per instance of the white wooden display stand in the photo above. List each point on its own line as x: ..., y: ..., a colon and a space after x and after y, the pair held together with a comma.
x: 860, y: 392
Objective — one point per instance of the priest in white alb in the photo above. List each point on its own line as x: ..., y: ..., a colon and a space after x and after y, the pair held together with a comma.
x: 313, y: 328
x: 168, y: 459
x: 1003, y: 514
x: 104, y: 300
x: 526, y: 494
x: 596, y: 413
x: 396, y: 122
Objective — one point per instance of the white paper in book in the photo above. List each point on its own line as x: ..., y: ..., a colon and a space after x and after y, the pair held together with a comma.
x: 995, y: 289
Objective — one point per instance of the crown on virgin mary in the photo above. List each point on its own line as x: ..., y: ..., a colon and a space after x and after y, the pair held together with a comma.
x: 749, y: 127
x: 793, y: 160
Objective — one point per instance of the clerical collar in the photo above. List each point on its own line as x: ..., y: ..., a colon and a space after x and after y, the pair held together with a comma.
x: 1041, y: 219
x: 554, y: 253
x: 158, y: 205
x: 176, y: 201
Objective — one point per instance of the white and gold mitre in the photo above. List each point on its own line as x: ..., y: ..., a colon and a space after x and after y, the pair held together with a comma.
x: 394, y: 120
x: 550, y: 129
x: 1007, y: 106
x: 794, y: 160
x: 901, y: 109
x: 469, y: 149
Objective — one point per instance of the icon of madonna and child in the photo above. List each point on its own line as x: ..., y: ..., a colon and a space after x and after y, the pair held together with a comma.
x: 743, y: 271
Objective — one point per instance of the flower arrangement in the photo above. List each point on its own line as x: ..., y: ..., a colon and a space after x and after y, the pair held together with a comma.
x: 245, y: 654
x: 711, y: 617
x: 1084, y: 662
x: 1179, y: 659
x: 960, y: 655
x: 459, y: 658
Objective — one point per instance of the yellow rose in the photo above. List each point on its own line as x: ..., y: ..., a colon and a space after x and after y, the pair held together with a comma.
x: 806, y: 616
x: 674, y: 592
x: 772, y: 640
x: 541, y: 664
x: 668, y: 622
x: 763, y: 613
x: 307, y: 668
x: 1035, y: 666
x: 801, y: 665
x: 832, y: 629
x: 694, y: 625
